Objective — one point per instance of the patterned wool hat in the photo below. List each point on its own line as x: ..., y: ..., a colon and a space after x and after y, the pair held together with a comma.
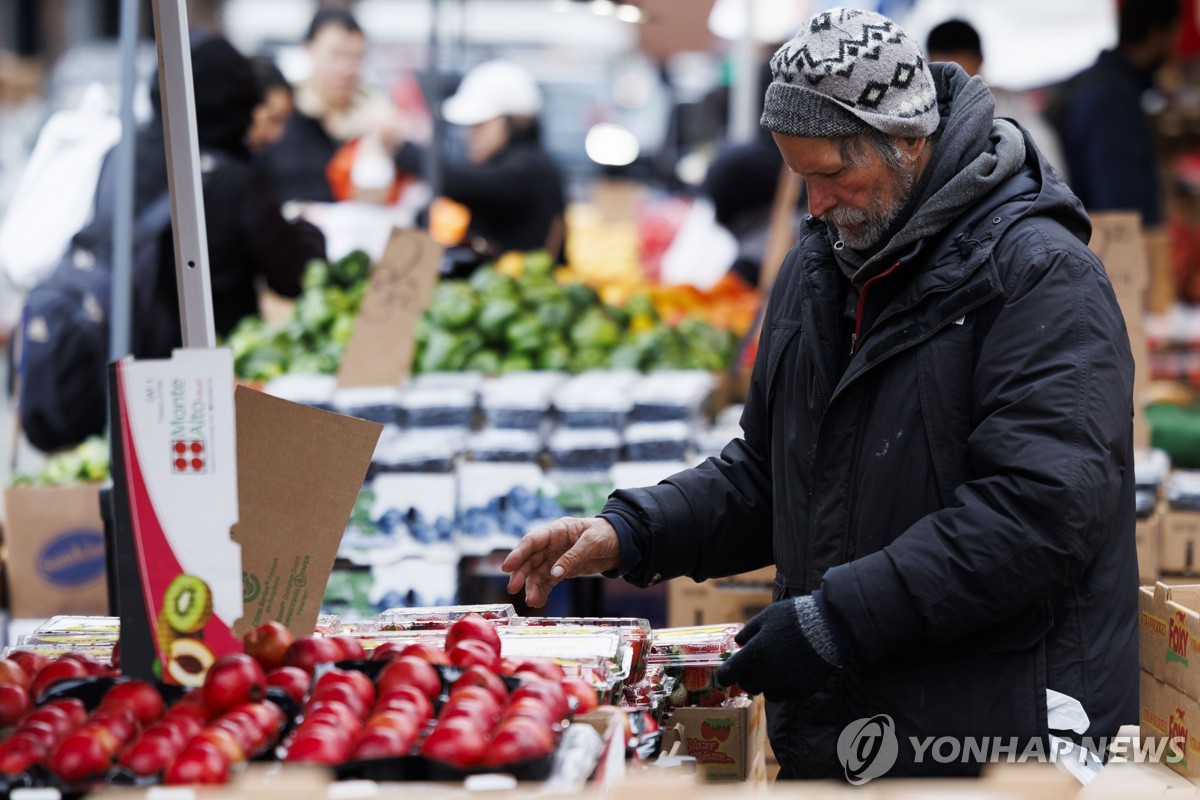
x: 845, y: 71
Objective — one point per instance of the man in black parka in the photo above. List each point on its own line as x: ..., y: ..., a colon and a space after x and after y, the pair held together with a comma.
x: 937, y: 445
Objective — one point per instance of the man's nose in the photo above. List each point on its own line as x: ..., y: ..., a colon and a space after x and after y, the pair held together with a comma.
x: 820, y: 199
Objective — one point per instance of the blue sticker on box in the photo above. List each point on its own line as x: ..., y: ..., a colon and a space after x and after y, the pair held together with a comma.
x: 74, y: 558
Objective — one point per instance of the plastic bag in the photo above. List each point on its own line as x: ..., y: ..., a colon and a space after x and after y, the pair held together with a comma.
x: 54, y: 197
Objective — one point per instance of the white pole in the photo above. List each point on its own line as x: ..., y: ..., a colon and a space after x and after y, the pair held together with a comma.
x: 122, y: 257
x: 743, y: 95
x: 183, y: 172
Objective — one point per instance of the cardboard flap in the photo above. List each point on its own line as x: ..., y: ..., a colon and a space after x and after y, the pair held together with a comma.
x: 299, y: 472
x: 1162, y: 592
x: 381, y: 348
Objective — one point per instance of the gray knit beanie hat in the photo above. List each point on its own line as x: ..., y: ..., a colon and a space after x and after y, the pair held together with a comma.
x: 848, y: 70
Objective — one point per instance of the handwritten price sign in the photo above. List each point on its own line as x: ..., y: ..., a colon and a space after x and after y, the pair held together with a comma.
x: 380, y: 351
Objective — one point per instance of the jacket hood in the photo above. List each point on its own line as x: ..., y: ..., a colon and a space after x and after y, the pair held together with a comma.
x: 978, y: 163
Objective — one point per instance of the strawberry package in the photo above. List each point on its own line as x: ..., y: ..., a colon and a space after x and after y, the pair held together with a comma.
x: 442, y: 617
x: 635, y: 635
x: 690, y: 657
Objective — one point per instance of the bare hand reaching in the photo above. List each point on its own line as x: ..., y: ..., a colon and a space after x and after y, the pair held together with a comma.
x: 563, y: 549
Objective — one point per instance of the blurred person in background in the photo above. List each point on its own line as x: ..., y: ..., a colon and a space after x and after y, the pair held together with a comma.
x: 511, y: 185
x: 1105, y: 131
x: 271, y: 115
x: 333, y: 110
x: 741, y: 182
x: 248, y: 239
x: 957, y: 41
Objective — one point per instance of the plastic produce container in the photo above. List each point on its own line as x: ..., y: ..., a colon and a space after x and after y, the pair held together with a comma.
x: 671, y: 395
x: 442, y: 617
x: 636, y: 634
x: 584, y: 449
x: 459, y: 381
x: 496, y: 444
x: 424, y: 451
x: 309, y: 390
x: 691, y: 657
x: 438, y: 408
x: 375, y: 403
x: 520, y: 399
x: 596, y: 399
x: 657, y: 441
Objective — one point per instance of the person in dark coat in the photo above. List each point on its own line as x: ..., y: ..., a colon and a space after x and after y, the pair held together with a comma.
x: 511, y: 185
x: 937, y: 447
x: 1106, y: 135
x: 248, y: 239
x: 333, y: 108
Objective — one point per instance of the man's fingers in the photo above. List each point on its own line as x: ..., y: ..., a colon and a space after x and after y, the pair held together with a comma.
x: 730, y: 671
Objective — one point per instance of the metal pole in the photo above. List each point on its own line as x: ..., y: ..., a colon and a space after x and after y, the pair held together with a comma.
x: 183, y: 172
x: 743, y: 95
x: 122, y: 255
x: 433, y: 154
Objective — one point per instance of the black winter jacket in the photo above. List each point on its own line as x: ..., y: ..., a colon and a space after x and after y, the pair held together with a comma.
x: 961, y: 486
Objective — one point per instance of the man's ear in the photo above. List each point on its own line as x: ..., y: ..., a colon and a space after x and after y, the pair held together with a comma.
x: 913, y: 146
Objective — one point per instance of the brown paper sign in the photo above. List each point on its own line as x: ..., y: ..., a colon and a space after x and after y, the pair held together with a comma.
x: 299, y: 472
x: 1117, y: 240
x: 380, y: 351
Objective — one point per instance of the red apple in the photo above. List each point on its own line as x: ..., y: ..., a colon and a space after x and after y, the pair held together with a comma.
x: 189, y: 717
x: 458, y: 742
x: 18, y: 753
x: 317, y: 746
x: 41, y: 732
x: 118, y: 719
x: 357, y: 681
x: 75, y: 709
x: 267, y: 716
x: 148, y: 755
x: 14, y: 702
x: 351, y: 649
x: 407, y: 697
x: 61, y: 670
x: 200, y: 763
x: 292, y: 680
x: 472, y: 652
x: 332, y: 713
x: 518, y: 739
x: 307, y: 653
x: 227, y: 741
x: 425, y: 652
x: 57, y: 718
x: 11, y: 672
x: 550, y: 693
x: 268, y: 643
x: 482, y: 676
x: 584, y: 694
x: 478, y: 714
x: 396, y: 720
x: 340, y: 693
x: 532, y: 708
x: 142, y: 699
x: 543, y: 668
x: 172, y: 735
x: 477, y: 694
x: 383, y: 742
x: 474, y: 628
x: 410, y: 671
x: 245, y: 729
x: 87, y: 659
x: 29, y: 661
x: 232, y: 680
x: 114, y: 657
x: 80, y: 757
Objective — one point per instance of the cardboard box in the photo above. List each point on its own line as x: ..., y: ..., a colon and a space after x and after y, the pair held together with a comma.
x: 54, y: 541
x: 727, y: 743
x: 708, y: 603
x: 1180, y: 542
x: 1148, y: 532
x: 1167, y: 713
x: 1169, y: 635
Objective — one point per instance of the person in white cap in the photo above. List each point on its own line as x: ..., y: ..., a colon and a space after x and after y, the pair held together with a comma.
x: 511, y: 186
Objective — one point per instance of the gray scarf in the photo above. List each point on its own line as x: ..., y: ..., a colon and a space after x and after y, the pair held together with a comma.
x: 973, y: 154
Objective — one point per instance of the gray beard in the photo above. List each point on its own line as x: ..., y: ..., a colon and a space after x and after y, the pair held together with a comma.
x: 863, y: 229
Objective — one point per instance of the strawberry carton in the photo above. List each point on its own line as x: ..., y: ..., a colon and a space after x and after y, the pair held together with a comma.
x: 442, y: 617
x: 636, y: 634
x: 728, y: 742
x: 690, y: 658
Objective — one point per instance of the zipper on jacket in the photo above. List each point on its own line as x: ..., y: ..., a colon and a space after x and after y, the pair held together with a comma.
x: 862, y: 299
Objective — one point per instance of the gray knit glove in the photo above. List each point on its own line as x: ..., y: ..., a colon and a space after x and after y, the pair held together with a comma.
x: 787, y: 652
